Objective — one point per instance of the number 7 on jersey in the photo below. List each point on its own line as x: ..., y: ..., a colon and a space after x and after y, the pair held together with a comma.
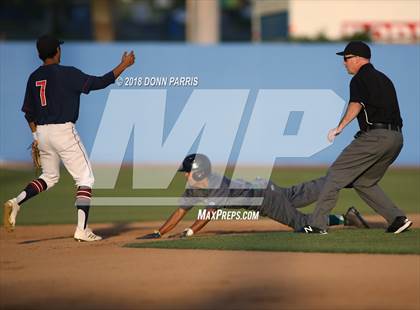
x: 43, y: 85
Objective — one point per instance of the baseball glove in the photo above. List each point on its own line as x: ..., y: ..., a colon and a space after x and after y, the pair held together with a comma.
x: 155, y: 235
x: 36, y: 159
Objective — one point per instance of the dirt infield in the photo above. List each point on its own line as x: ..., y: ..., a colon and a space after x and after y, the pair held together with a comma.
x: 41, y: 267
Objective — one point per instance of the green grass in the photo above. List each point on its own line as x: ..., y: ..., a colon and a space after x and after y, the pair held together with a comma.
x: 57, y: 205
x: 373, y: 241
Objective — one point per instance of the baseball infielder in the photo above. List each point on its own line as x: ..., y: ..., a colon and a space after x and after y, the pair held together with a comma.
x: 279, y: 204
x: 51, y: 107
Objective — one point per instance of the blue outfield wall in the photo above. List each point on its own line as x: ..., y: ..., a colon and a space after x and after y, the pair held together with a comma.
x: 230, y: 66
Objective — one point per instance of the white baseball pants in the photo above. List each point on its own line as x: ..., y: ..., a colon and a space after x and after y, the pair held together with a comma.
x: 62, y: 142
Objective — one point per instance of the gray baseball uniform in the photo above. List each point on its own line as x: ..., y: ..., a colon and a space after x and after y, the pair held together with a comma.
x: 277, y: 203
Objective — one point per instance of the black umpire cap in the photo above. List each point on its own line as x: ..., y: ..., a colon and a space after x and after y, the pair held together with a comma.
x: 357, y: 48
x: 47, y: 46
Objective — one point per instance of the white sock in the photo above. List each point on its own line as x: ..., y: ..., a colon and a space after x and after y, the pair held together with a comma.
x: 21, y: 196
x: 81, y: 219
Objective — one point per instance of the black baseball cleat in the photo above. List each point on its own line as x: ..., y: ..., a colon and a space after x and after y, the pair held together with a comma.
x: 354, y: 218
x: 400, y: 224
x: 308, y: 229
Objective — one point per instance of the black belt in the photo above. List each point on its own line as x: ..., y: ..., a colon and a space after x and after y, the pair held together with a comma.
x: 384, y: 126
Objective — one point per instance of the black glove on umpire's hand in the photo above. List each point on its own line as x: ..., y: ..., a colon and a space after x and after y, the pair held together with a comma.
x: 155, y: 235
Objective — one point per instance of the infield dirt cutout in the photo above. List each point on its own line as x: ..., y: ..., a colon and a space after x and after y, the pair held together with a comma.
x: 42, y: 267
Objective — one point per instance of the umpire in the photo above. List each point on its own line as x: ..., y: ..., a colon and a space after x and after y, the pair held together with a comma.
x: 363, y: 163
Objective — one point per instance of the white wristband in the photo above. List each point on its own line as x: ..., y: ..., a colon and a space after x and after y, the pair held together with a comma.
x: 35, y: 135
x: 188, y: 232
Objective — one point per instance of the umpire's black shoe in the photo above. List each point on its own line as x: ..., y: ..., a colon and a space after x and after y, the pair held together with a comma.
x: 400, y: 224
x: 308, y: 229
x: 354, y: 218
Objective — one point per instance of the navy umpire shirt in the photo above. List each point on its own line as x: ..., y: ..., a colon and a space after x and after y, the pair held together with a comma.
x: 376, y: 93
x: 53, y: 93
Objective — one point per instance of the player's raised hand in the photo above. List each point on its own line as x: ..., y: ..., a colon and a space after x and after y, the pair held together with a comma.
x: 128, y: 58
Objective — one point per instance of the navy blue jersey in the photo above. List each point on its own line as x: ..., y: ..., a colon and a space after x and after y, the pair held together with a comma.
x: 53, y: 93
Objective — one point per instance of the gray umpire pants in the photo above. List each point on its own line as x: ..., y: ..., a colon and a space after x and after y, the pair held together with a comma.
x: 280, y: 204
x: 361, y: 165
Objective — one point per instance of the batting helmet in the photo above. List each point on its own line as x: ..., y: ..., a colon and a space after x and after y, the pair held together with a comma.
x: 198, y: 164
